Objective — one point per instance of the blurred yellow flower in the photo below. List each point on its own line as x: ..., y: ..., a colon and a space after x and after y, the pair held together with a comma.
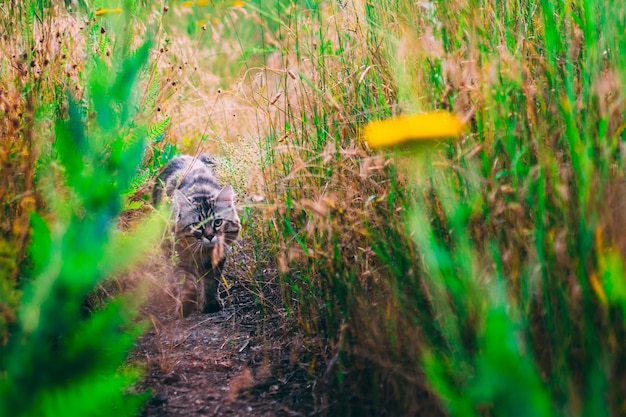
x: 198, y: 2
x: 101, y: 11
x: 238, y: 4
x: 418, y: 127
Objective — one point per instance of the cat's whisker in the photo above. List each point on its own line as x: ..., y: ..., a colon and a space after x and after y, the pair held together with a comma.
x: 197, y: 246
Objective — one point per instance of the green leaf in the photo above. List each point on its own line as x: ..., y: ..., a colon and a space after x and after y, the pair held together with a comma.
x: 41, y: 245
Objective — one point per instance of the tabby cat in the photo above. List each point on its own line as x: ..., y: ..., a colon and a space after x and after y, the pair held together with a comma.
x: 205, y: 223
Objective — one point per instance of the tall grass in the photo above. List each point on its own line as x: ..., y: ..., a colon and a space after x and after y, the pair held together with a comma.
x: 485, y: 277
x: 71, y: 150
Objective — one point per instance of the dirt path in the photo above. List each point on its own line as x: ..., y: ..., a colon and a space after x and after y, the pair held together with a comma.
x: 237, y: 362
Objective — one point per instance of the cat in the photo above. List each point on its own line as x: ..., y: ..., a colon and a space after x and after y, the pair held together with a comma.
x: 204, y: 224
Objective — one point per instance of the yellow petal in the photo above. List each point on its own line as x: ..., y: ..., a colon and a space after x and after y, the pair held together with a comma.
x: 418, y: 127
x: 101, y: 11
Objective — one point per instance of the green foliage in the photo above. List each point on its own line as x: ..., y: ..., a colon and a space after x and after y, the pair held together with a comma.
x: 474, y: 371
x: 60, y: 359
x: 156, y: 132
x: 161, y: 153
x: 553, y: 332
x: 484, y: 272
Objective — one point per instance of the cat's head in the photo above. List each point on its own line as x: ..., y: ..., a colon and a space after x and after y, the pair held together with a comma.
x: 204, y: 219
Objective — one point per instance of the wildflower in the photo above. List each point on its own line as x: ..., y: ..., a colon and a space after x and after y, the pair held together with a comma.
x: 418, y: 127
x: 198, y: 2
x: 100, y: 11
x: 238, y: 3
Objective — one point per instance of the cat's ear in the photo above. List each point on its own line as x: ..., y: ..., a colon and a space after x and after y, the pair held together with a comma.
x: 226, y: 195
x: 180, y: 201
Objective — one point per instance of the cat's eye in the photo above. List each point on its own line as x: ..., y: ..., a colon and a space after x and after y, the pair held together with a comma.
x: 194, y: 230
x: 217, y: 222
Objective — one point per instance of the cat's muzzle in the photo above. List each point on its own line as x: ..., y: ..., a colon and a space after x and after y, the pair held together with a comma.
x: 209, y: 240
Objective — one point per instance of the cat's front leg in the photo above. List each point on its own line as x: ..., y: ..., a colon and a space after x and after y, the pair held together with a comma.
x: 187, y: 291
x: 211, y: 301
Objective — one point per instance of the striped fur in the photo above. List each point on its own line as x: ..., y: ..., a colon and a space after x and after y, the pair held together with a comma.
x: 205, y: 222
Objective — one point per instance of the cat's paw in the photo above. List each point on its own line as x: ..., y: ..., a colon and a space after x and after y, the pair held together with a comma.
x: 212, y: 306
x: 188, y: 308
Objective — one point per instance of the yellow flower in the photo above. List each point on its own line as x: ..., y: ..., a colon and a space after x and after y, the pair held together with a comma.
x: 418, y: 127
x: 101, y: 11
x: 198, y: 2
x: 238, y: 3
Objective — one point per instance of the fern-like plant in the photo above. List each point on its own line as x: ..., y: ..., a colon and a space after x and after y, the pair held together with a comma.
x: 61, y: 360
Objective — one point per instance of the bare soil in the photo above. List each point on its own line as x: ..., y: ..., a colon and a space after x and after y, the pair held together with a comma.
x: 240, y: 361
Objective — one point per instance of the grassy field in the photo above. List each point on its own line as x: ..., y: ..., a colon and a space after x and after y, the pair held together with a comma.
x: 480, y: 275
